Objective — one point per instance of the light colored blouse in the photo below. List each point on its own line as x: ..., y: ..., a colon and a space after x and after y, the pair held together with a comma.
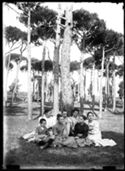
x: 94, y: 127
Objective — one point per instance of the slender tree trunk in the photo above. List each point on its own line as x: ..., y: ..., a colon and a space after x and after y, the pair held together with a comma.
x: 101, y: 95
x: 123, y: 104
x: 93, y: 86
x: 114, y: 85
x: 56, y: 68
x: 81, y: 85
x: 43, y: 80
x: 84, y: 85
x: 45, y: 89
x: 98, y: 86
x: 29, y: 70
x: 16, y: 82
x: 107, y: 84
x: 67, y: 96
x: 4, y: 71
x: 9, y: 58
x: 33, y: 85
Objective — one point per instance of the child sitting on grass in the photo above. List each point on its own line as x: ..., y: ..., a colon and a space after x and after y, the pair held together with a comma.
x: 43, y: 136
x: 47, y: 141
x: 40, y: 132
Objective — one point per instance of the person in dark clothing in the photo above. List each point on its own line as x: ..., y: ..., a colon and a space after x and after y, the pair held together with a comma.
x: 47, y: 142
x: 81, y: 128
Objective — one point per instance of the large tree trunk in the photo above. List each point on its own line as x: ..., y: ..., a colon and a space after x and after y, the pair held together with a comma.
x: 29, y: 70
x: 67, y: 96
x: 56, y: 69
x: 43, y: 81
x: 101, y: 95
x: 56, y: 81
x: 114, y: 85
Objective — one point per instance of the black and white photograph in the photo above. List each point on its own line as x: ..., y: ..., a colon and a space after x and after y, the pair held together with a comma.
x: 63, y: 85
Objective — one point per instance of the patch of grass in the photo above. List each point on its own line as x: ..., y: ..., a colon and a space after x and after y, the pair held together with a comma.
x: 29, y: 154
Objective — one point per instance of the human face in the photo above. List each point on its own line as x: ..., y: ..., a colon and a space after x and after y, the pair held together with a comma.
x: 75, y: 114
x: 61, y: 120
x: 81, y: 120
x: 64, y: 114
x: 43, y: 124
x: 90, y: 117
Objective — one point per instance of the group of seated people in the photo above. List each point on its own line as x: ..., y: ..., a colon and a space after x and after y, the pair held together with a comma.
x: 74, y: 131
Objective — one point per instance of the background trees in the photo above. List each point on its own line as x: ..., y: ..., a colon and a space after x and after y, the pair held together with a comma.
x: 16, y: 39
x: 111, y: 45
x: 88, y: 30
x: 90, y: 35
x: 42, y: 28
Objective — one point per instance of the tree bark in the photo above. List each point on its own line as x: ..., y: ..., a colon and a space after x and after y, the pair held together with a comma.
x: 33, y: 85
x: 16, y: 82
x: 67, y: 96
x: 7, y: 77
x: 84, y: 73
x: 114, y: 85
x: 4, y: 70
x: 81, y: 85
x: 123, y: 104
x: 101, y: 95
x: 107, y: 84
x: 29, y: 70
x: 56, y: 68
x: 43, y: 81
x: 93, y: 87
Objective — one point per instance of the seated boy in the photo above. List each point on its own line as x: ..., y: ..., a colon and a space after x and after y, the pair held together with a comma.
x: 40, y: 132
x: 46, y: 142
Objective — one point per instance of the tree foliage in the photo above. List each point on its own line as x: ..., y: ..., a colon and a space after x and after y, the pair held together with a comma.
x: 37, y: 65
x: 74, y: 66
x: 88, y: 63
x: 13, y: 34
x: 43, y: 21
x: 88, y: 29
x: 121, y: 89
x: 120, y: 70
x: 113, y: 42
x: 15, y: 57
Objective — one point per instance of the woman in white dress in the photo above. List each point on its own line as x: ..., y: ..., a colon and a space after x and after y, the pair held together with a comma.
x: 94, y: 133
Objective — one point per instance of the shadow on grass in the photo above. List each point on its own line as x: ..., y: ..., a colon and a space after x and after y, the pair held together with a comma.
x: 28, y: 154
x: 116, y: 112
x: 22, y: 111
x: 15, y: 111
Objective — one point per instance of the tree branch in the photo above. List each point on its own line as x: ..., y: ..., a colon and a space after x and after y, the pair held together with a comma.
x: 109, y: 49
x: 12, y: 50
x: 48, y: 54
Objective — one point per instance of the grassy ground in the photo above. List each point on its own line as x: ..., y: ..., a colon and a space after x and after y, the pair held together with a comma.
x: 29, y: 155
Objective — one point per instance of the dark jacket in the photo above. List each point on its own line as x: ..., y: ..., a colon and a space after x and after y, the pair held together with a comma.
x: 81, y: 129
